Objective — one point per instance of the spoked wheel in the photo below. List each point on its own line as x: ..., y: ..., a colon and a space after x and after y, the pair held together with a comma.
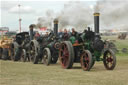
x: 66, y: 55
x: 47, y: 56
x: 15, y: 52
x: 34, y: 52
x: 109, y: 60
x: 86, y: 60
x: 55, y: 54
x: 23, y: 56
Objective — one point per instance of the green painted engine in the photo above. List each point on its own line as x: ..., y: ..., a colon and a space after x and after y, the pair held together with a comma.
x: 86, y: 48
x: 93, y: 43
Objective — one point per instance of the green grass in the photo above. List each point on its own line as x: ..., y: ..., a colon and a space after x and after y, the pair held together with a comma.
x: 19, y: 73
x: 120, y: 44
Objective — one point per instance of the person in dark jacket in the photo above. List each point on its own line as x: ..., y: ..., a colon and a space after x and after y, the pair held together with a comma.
x: 65, y: 35
x: 74, y: 33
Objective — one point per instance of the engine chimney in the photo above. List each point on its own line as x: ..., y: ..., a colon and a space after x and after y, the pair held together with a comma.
x: 31, y: 31
x: 56, y: 27
x: 96, y: 23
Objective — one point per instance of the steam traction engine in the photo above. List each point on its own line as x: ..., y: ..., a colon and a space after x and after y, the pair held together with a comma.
x: 20, y: 47
x: 45, y: 48
x: 86, y: 49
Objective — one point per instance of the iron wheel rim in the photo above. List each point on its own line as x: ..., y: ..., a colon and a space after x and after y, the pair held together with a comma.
x: 45, y: 57
x: 108, y: 60
x: 64, y: 55
x: 85, y: 61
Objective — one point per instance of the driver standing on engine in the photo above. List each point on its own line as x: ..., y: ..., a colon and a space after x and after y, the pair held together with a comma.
x: 46, y: 35
x: 37, y: 35
x: 74, y: 33
x: 65, y: 35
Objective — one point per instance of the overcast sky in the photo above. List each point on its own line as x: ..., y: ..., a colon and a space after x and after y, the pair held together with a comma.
x: 30, y: 11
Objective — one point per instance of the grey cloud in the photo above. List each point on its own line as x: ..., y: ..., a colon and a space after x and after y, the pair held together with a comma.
x: 114, y: 13
x: 74, y: 14
x: 23, y: 10
x: 12, y: 7
x: 6, y: 5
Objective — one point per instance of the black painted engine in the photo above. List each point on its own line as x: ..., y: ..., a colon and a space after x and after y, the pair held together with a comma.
x: 95, y: 40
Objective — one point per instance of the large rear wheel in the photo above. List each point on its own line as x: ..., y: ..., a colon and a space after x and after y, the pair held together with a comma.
x: 109, y: 60
x: 86, y: 60
x: 15, y: 52
x: 34, y: 57
x: 66, y: 55
x: 47, y: 56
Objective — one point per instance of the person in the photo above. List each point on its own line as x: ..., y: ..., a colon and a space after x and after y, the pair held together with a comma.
x: 37, y: 35
x: 74, y: 33
x: 46, y: 35
x: 65, y: 35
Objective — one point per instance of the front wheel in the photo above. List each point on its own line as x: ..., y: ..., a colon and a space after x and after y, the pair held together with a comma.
x: 109, y: 60
x: 86, y: 60
x: 47, y: 56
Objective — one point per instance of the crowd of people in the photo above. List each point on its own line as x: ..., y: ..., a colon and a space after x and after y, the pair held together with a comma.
x: 64, y: 34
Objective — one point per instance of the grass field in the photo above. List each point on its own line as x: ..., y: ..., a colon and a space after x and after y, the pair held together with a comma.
x: 19, y: 73
x: 120, y: 44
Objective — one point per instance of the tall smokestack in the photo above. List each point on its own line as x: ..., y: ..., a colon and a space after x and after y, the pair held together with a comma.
x: 96, y: 22
x: 31, y: 31
x: 56, y: 27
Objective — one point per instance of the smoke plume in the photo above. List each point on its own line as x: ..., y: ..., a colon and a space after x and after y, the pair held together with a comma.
x: 74, y: 14
x: 47, y: 20
x: 114, y: 15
